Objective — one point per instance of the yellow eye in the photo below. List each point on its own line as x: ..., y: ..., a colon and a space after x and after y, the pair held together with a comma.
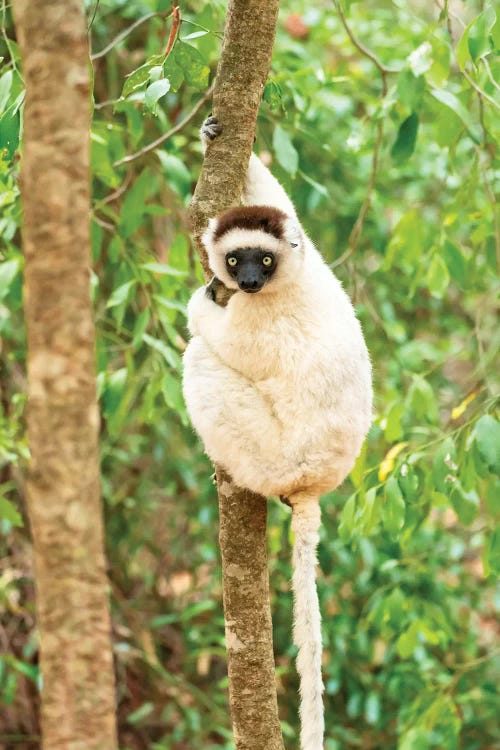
x: 232, y: 261
x: 267, y: 260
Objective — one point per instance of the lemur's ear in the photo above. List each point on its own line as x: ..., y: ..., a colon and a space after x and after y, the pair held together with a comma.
x: 293, y: 232
x: 208, y: 235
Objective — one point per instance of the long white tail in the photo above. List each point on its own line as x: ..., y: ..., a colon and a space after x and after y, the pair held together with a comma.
x: 306, y: 520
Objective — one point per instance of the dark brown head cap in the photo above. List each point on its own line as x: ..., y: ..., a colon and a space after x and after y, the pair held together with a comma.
x: 264, y: 218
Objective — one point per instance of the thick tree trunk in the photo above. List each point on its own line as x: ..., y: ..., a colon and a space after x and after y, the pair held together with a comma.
x: 63, y: 492
x: 244, y: 65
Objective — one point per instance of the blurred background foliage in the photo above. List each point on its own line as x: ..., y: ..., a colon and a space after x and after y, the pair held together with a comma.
x: 382, y: 121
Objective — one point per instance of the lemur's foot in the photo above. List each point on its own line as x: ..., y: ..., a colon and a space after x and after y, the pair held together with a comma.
x: 210, y: 129
x: 212, y: 287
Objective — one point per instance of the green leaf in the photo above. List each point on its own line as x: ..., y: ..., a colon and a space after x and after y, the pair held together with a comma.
x: 438, y: 278
x: 194, y: 35
x: 140, y: 327
x: 173, y: 72
x: 168, y: 353
x: 491, y: 558
x: 8, y: 272
x: 141, y: 713
x: 139, y: 77
x: 285, y: 151
x: 410, y: 89
x: 422, y: 400
x: 393, y: 512
x: 394, y: 429
x: 5, y: 87
x: 346, y: 525
x: 321, y: 189
x: 162, y: 268
x: 154, y: 92
x: 420, y: 60
x: 176, y: 172
x: 156, y: 73
x: 192, y: 64
x: 416, y: 738
x: 452, y: 102
x: 120, y: 294
x: 273, y: 96
x: 462, y: 51
x: 404, y: 144
x: 408, y: 641
x: 478, y: 40
x: 444, y: 467
x: 487, y: 438
x: 113, y: 391
x: 372, y: 708
x: 455, y: 261
x: 9, y: 513
x: 405, y: 245
x: 466, y: 504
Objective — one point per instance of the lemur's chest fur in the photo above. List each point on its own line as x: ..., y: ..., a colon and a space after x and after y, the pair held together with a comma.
x: 267, y: 336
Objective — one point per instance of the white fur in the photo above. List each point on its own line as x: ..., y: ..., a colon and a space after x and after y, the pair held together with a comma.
x: 278, y: 385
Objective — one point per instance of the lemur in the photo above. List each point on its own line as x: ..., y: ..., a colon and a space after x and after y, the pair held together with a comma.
x: 278, y: 384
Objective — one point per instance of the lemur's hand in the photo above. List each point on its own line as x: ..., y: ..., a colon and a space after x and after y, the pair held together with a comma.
x: 212, y: 287
x: 210, y: 129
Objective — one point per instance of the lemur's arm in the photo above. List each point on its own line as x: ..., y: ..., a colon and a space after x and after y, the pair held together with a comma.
x: 261, y: 188
x: 205, y: 317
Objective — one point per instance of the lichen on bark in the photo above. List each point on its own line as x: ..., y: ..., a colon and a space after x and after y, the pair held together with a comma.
x: 63, y: 488
x: 241, y: 76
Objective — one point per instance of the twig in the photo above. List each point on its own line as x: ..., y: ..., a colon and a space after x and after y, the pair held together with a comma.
x: 116, y: 193
x: 384, y: 71
x: 480, y: 91
x: 107, y: 103
x: 357, y: 229
x: 104, y: 224
x: 96, y: 8
x: 489, y: 73
x: 180, y: 125
x: 123, y: 34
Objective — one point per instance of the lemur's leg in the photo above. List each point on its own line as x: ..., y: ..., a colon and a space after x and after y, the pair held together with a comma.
x: 261, y: 188
x: 235, y: 421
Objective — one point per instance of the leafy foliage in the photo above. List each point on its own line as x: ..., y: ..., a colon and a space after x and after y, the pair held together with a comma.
x: 391, y: 155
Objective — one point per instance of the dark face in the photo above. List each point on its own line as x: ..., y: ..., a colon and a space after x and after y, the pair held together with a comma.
x: 251, y: 267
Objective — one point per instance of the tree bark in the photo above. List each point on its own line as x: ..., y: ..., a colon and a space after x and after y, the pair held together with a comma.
x: 63, y: 488
x: 241, y: 76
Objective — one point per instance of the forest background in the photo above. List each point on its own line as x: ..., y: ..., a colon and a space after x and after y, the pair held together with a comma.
x: 382, y: 121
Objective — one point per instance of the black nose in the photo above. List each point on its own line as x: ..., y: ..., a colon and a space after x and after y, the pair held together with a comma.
x: 250, y: 285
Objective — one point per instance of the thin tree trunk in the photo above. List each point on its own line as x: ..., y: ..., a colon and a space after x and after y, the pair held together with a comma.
x: 63, y: 490
x: 243, y: 68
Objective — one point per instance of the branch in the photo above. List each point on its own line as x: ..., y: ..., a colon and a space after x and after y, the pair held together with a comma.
x: 124, y: 34
x: 241, y: 76
x: 173, y: 131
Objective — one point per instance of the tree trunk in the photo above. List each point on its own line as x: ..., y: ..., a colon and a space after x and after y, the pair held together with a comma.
x: 242, y: 73
x: 63, y: 491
